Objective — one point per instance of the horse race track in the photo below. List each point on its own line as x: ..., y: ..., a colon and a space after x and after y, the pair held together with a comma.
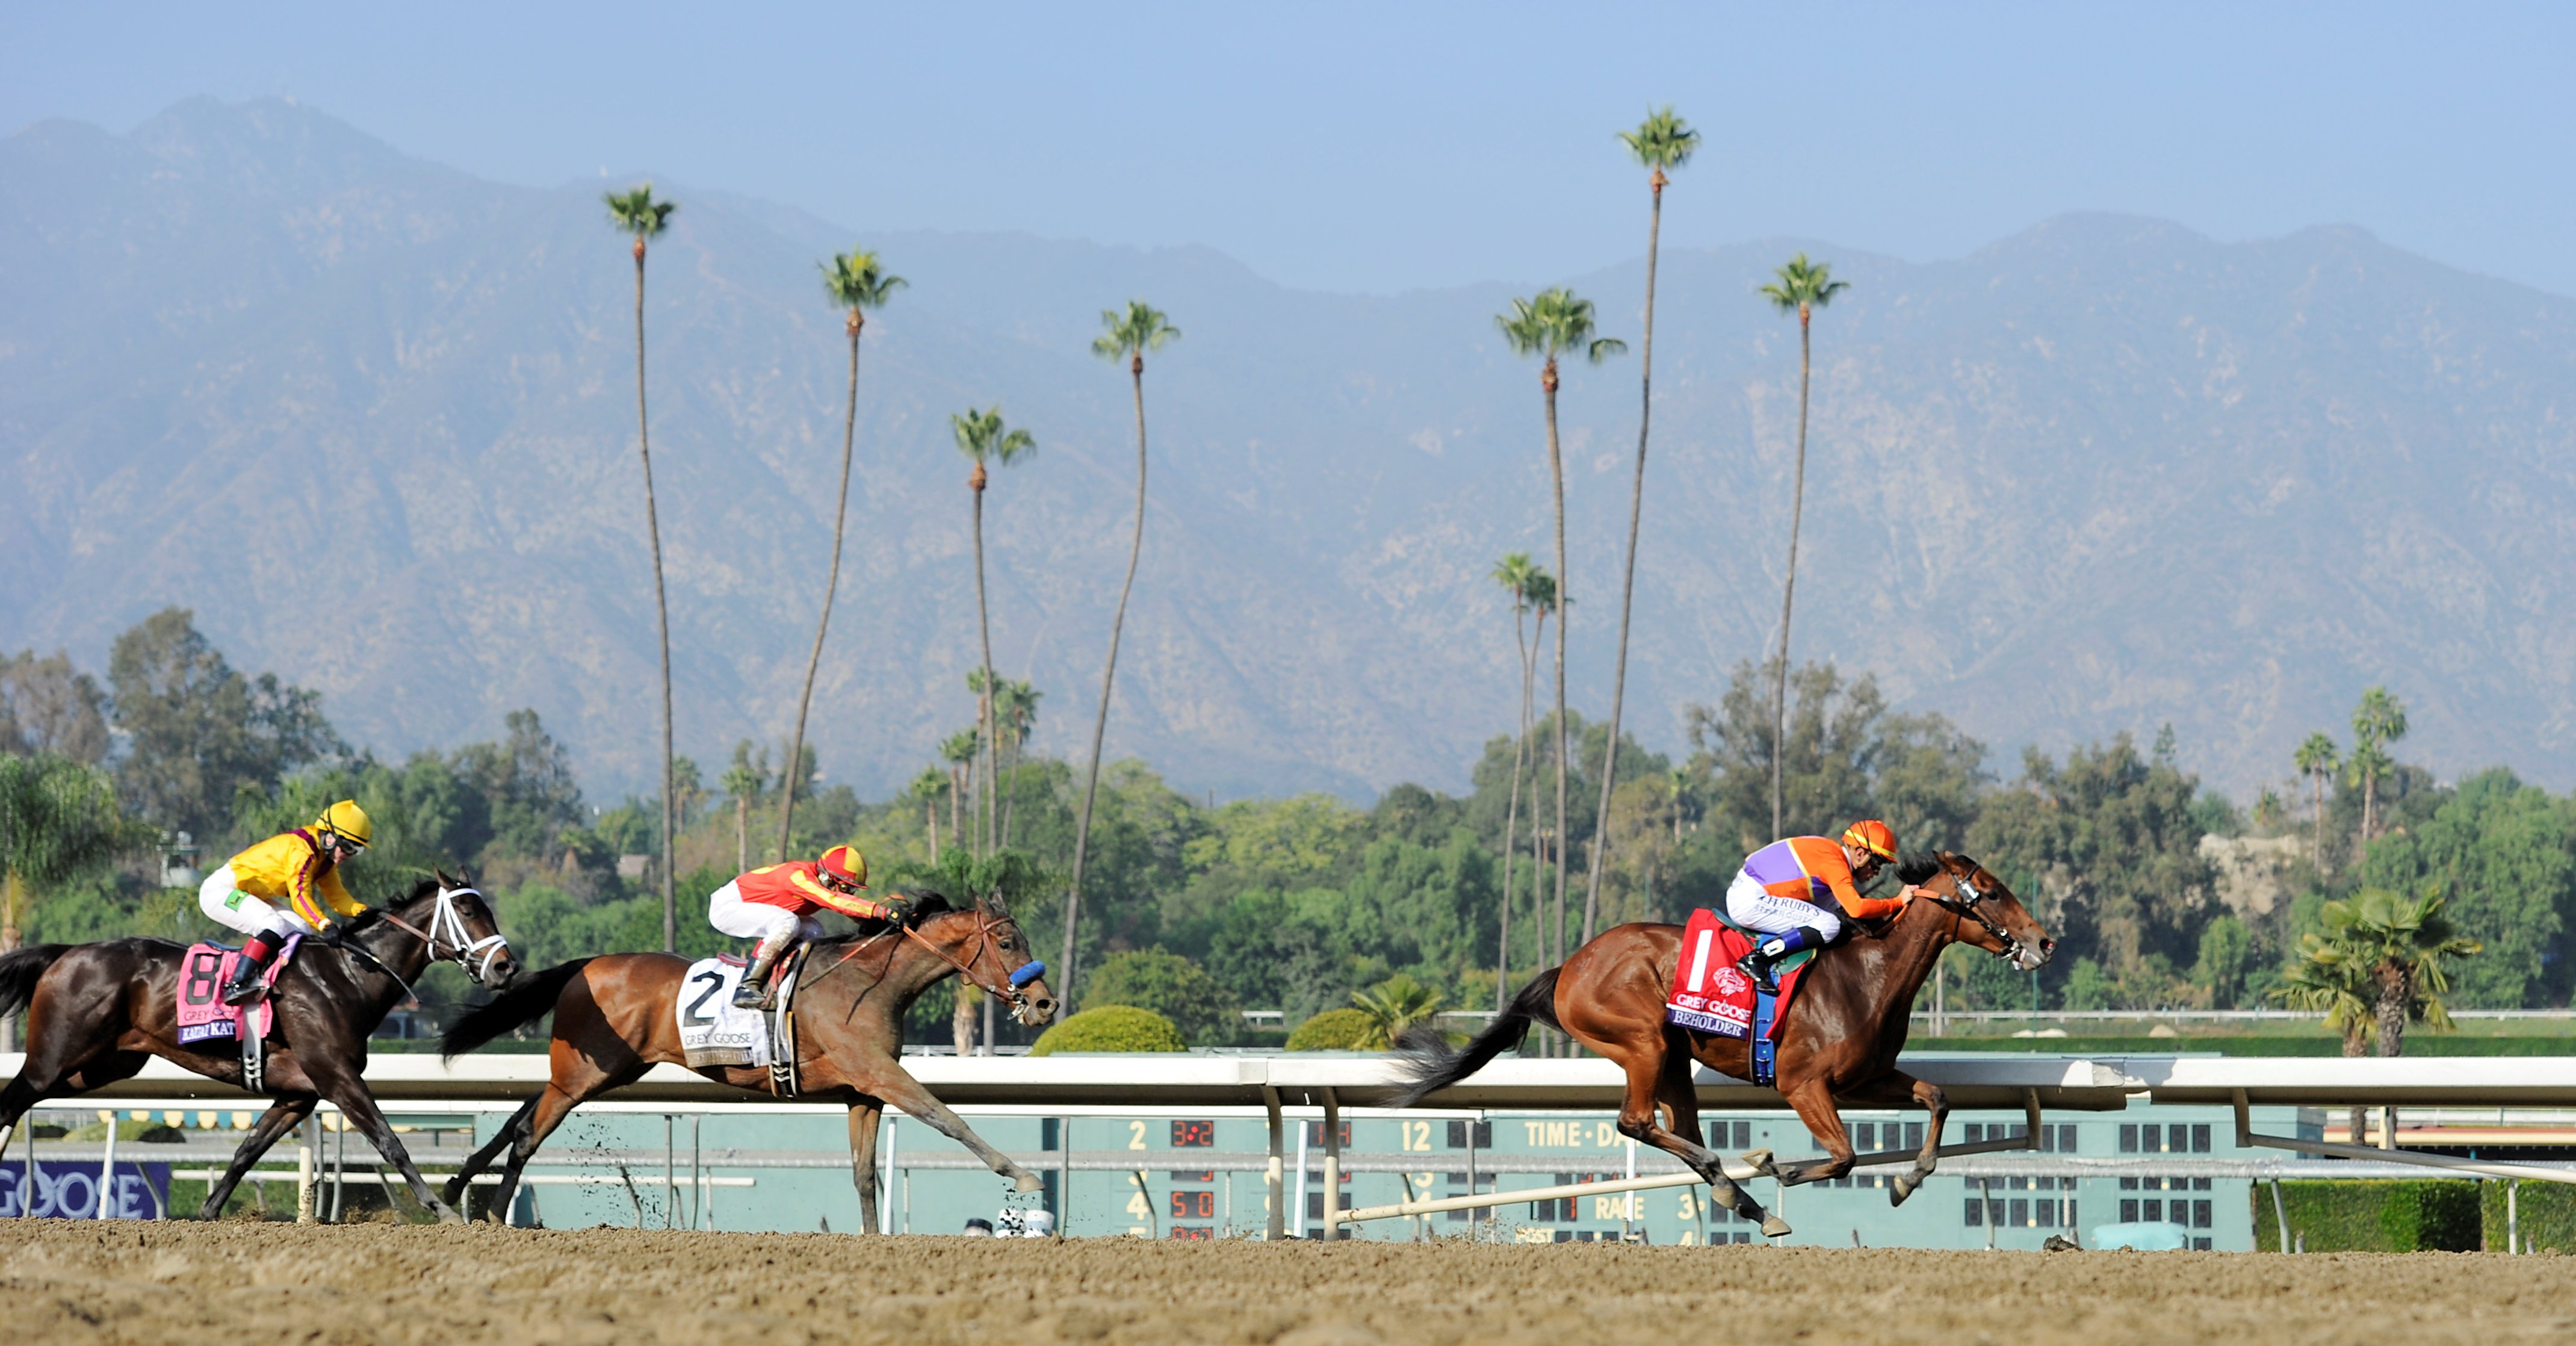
x: 66, y: 1281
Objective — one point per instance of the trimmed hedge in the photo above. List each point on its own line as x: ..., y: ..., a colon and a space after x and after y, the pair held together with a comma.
x: 1111, y: 1028
x: 2374, y: 1215
x: 2546, y: 1214
x: 1334, y: 1030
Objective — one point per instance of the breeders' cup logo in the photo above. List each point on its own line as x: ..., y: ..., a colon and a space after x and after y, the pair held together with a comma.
x: 1728, y: 982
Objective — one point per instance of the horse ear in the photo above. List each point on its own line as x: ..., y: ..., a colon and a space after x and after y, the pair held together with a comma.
x: 439, y: 872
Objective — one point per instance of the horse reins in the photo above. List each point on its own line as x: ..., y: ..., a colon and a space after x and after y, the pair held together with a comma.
x: 1020, y: 976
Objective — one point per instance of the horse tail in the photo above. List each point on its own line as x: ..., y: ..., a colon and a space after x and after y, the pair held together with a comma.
x: 19, y: 971
x: 1428, y: 1065
x: 528, y: 999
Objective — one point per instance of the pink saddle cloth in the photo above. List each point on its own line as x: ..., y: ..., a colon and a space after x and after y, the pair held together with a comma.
x: 203, y: 1015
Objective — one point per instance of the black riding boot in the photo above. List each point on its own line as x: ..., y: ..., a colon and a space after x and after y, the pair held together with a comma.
x: 245, y: 985
x: 753, y: 992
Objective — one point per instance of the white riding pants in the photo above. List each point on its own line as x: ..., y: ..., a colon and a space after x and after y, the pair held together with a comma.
x: 1756, y: 908
x: 772, y: 926
x: 227, y: 905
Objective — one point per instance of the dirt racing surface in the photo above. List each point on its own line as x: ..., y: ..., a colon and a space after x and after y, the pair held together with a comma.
x: 71, y: 1281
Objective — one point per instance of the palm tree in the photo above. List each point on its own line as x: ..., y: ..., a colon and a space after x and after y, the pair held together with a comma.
x: 928, y: 787
x: 1679, y: 781
x: 1552, y: 324
x: 748, y: 776
x: 1513, y: 573
x: 637, y: 213
x: 1016, y: 713
x: 1392, y: 1006
x: 2316, y: 760
x: 1543, y: 602
x: 1661, y: 141
x: 2378, y: 721
x: 854, y: 281
x: 1803, y: 288
x: 1131, y: 332
x: 2397, y: 943
x: 959, y: 751
x: 983, y: 438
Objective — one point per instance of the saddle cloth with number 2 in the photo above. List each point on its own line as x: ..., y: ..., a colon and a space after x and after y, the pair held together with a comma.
x: 712, y: 1031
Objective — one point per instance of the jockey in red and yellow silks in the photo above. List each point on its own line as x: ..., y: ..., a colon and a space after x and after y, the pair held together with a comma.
x: 287, y: 885
x: 775, y: 904
x: 1791, y: 888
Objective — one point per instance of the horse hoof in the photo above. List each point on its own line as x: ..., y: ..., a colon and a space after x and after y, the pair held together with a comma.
x: 1027, y: 1182
x: 1902, y: 1188
x: 1773, y: 1226
x: 1760, y: 1162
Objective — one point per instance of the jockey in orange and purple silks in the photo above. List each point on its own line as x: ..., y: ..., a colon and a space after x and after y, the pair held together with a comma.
x: 1792, y: 888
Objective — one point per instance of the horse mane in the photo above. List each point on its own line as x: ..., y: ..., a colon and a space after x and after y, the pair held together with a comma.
x: 1918, y: 868
x: 374, y: 916
x: 927, y: 902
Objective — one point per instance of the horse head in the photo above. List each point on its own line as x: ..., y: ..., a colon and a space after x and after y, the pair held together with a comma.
x: 464, y: 928
x: 993, y: 953
x: 1990, y: 917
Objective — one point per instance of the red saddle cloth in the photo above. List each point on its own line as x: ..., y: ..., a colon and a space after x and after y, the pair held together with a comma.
x: 1709, y: 994
x: 203, y: 970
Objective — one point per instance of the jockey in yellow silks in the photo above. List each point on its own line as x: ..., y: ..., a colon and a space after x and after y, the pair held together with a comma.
x: 286, y: 885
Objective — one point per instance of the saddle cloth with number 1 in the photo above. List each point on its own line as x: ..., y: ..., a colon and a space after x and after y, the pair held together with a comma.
x: 712, y: 1031
x: 1710, y: 995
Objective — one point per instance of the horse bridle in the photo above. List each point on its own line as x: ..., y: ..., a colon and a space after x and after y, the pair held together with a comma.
x: 1975, y: 897
x: 447, y: 924
x: 984, y: 925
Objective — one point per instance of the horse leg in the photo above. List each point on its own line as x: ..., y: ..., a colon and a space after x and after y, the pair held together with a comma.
x: 548, y: 1112
x: 900, y: 1090
x: 1895, y: 1089
x: 359, y: 1107
x: 1679, y: 1136
x: 1814, y: 1100
x: 284, y: 1115
x: 482, y: 1159
x: 864, y: 1116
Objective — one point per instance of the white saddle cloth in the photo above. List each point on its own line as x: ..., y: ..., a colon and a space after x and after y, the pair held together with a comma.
x: 712, y: 1031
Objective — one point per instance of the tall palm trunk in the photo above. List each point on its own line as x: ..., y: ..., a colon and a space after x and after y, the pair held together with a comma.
x: 1628, y: 581
x: 2317, y: 790
x: 930, y: 821
x: 741, y: 832
x: 2369, y: 805
x: 831, y: 585
x: 1789, y: 587
x: 662, y: 611
x: 1564, y: 606
x: 984, y: 702
x: 1512, y: 814
x: 2356, y: 1042
x: 1108, y: 680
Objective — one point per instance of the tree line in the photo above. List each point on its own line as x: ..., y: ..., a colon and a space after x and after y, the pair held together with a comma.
x: 1298, y: 903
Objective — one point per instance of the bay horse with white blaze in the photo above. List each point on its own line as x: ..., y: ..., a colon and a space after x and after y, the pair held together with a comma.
x: 1846, y: 1024
x: 97, y: 1012
x: 616, y: 1016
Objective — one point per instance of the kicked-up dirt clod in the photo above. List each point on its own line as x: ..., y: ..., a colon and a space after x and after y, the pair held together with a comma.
x: 74, y: 1281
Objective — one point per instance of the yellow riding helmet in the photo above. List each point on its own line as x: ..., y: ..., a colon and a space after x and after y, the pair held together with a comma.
x: 348, y: 822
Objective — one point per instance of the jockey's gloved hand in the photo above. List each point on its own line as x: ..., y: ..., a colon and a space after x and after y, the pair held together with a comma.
x: 900, y: 907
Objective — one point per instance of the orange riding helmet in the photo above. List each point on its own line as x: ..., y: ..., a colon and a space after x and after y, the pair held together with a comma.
x: 1873, y: 836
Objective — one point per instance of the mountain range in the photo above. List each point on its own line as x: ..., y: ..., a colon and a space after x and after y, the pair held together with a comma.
x: 373, y: 419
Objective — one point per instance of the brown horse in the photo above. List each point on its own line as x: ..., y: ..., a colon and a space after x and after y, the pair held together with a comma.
x: 1846, y: 1024
x: 616, y: 1017
x: 96, y: 1012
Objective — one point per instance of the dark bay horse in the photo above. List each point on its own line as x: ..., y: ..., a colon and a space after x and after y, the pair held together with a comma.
x: 96, y: 1012
x: 1845, y: 1027
x: 616, y: 1017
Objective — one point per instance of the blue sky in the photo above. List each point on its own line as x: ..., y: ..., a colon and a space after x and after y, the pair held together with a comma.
x: 1383, y: 147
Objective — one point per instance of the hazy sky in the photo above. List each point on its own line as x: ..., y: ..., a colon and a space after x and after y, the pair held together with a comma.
x: 1385, y: 146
